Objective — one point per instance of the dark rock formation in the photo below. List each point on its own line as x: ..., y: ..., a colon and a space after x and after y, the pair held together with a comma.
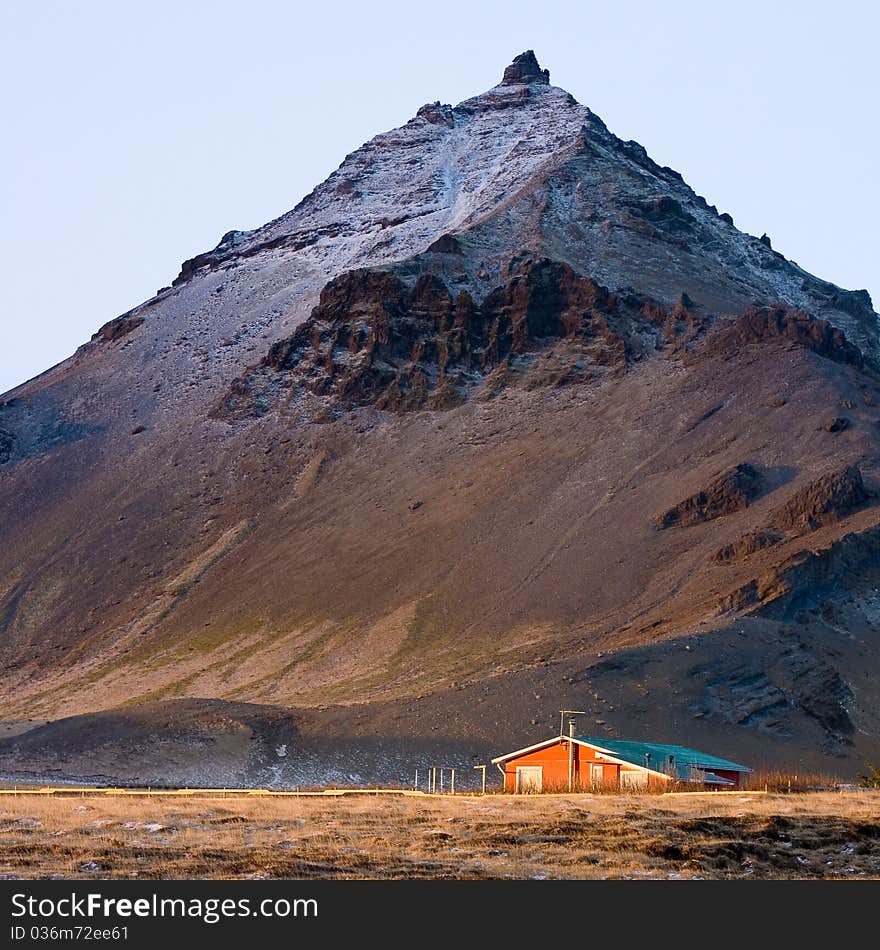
x: 445, y: 244
x: 747, y: 697
x: 822, y: 502
x: 226, y: 246
x: 764, y: 697
x: 525, y: 69
x: 822, y: 693
x: 777, y: 322
x: 118, y: 328
x: 437, y: 114
x: 744, y: 598
x: 748, y: 544
x: 234, y: 244
x: 373, y: 341
x: 732, y: 491
x: 661, y: 212
x: 807, y: 578
x: 7, y: 443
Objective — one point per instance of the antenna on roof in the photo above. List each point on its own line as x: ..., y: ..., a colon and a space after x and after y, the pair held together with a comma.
x: 562, y: 714
x: 568, y: 712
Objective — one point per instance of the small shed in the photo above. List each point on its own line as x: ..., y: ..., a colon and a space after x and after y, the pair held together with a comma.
x: 583, y: 763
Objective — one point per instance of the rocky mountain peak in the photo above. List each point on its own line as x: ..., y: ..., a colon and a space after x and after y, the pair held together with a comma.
x: 525, y: 68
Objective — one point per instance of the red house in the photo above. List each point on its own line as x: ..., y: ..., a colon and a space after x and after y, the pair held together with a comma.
x: 581, y: 763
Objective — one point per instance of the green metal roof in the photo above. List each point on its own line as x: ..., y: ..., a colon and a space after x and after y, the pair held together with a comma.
x: 675, y: 759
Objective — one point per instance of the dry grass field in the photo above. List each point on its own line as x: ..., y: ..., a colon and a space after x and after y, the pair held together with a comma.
x: 810, y: 835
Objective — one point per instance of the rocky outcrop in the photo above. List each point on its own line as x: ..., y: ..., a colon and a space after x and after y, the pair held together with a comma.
x: 731, y: 491
x: 225, y: 248
x: 823, y: 501
x: 445, y: 244
x: 764, y: 698
x: 239, y: 244
x: 822, y: 693
x: 118, y: 328
x: 750, y: 543
x: 525, y: 68
x: 373, y: 341
x: 658, y: 213
x: 376, y: 339
x: 807, y: 577
x: 747, y: 697
x: 779, y: 323
x: 437, y: 113
x: 855, y: 303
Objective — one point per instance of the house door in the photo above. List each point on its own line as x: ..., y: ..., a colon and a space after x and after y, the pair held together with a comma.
x: 597, y: 775
x: 529, y: 778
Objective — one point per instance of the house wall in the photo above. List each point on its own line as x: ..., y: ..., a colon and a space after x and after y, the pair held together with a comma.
x: 554, y: 761
x: 739, y: 779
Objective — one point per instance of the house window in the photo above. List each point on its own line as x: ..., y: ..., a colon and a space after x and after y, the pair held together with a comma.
x: 529, y: 778
x: 633, y: 779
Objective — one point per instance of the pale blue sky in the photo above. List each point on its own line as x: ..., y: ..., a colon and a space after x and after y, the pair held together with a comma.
x: 135, y: 134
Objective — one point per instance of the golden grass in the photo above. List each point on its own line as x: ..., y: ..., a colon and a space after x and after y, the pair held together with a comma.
x: 817, y: 835
x: 777, y: 780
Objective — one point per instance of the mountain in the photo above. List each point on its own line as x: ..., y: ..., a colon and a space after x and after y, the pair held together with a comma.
x: 502, y: 417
